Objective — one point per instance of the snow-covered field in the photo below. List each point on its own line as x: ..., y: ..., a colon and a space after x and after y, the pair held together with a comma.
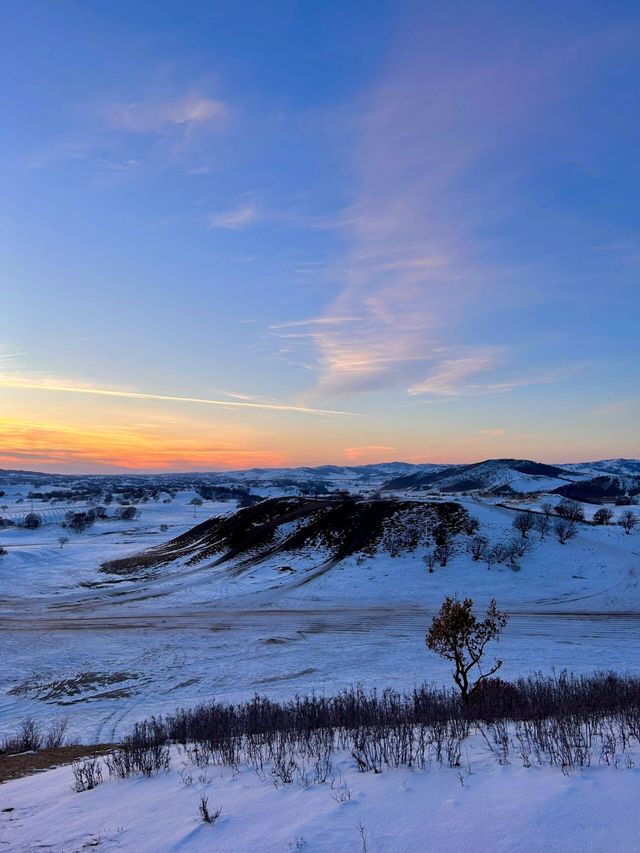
x: 106, y: 651
x: 480, y: 807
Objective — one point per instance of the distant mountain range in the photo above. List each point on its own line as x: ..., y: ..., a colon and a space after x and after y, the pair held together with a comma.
x: 605, y: 479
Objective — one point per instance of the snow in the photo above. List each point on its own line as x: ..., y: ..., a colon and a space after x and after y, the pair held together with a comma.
x: 118, y: 650
x: 480, y: 806
x: 106, y: 651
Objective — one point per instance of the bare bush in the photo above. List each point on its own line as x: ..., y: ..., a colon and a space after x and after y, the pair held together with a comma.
x: 86, y: 774
x: 523, y: 523
x: 628, y: 521
x: 570, y: 510
x: 500, y: 552
x: 470, y: 525
x: 444, y: 552
x: 144, y: 751
x: 206, y: 815
x: 515, y: 550
x: 604, y: 515
x: 363, y: 837
x: 340, y: 791
x: 565, y: 530
x: 564, y: 720
x: 29, y: 738
x: 56, y: 732
x: 430, y: 559
x: 541, y: 525
x: 478, y: 547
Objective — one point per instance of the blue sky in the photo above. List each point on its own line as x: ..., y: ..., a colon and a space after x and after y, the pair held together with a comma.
x: 327, y: 232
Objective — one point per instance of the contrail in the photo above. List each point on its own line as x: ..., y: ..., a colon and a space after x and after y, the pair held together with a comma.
x: 139, y: 395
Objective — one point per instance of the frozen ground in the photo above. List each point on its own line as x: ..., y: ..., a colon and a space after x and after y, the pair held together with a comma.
x: 106, y: 651
x: 480, y: 806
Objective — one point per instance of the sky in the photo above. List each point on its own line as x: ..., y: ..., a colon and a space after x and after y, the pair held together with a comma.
x: 297, y: 233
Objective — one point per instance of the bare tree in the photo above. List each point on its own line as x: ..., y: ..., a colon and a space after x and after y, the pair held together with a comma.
x: 62, y: 541
x: 523, y: 523
x: 443, y: 541
x: 547, y: 508
x: 489, y: 557
x: 444, y: 551
x: 571, y: 510
x: 603, y: 515
x: 195, y: 503
x: 392, y: 541
x: 477, y: 547
x: 565, y: 530
x: 470, y: 525
x: 514, y: 551
x: 541, y: 525
x: 500, y: 552
x: 457, y: 635
x: 430, y: 560
x: 628, y: 521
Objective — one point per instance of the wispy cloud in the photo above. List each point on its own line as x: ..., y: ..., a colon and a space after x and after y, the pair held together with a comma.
x: 453, y: 375
x: 60, y: 386
x: 160, y: 115
x: 314, y: 321
x: 536, y: 376
x: 237, y: 219
x: 486, y: 434
x: 368, y: 452
x: 619, y: 407
x: 473, y: 377
x: 122, y: 137
x: 420, y: 273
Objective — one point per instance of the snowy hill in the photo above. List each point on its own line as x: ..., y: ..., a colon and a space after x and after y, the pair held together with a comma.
x: 602, y: 488
x: 309, y: 534
x: 267, y: 596
x: 517, y: 475
x: 616, y: 467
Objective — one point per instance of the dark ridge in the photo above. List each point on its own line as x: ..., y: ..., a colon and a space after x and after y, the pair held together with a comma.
x: 467, y: 484
x: 538, y: 469
x: 336, y: 527
x: 599, y: 489
x: 421, y: 479
x: 476, y: 470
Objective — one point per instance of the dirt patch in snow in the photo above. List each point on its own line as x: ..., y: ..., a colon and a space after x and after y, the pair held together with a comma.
x: 13, y: 766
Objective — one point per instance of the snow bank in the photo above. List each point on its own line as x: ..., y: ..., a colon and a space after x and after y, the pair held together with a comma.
x: 478, y: 807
